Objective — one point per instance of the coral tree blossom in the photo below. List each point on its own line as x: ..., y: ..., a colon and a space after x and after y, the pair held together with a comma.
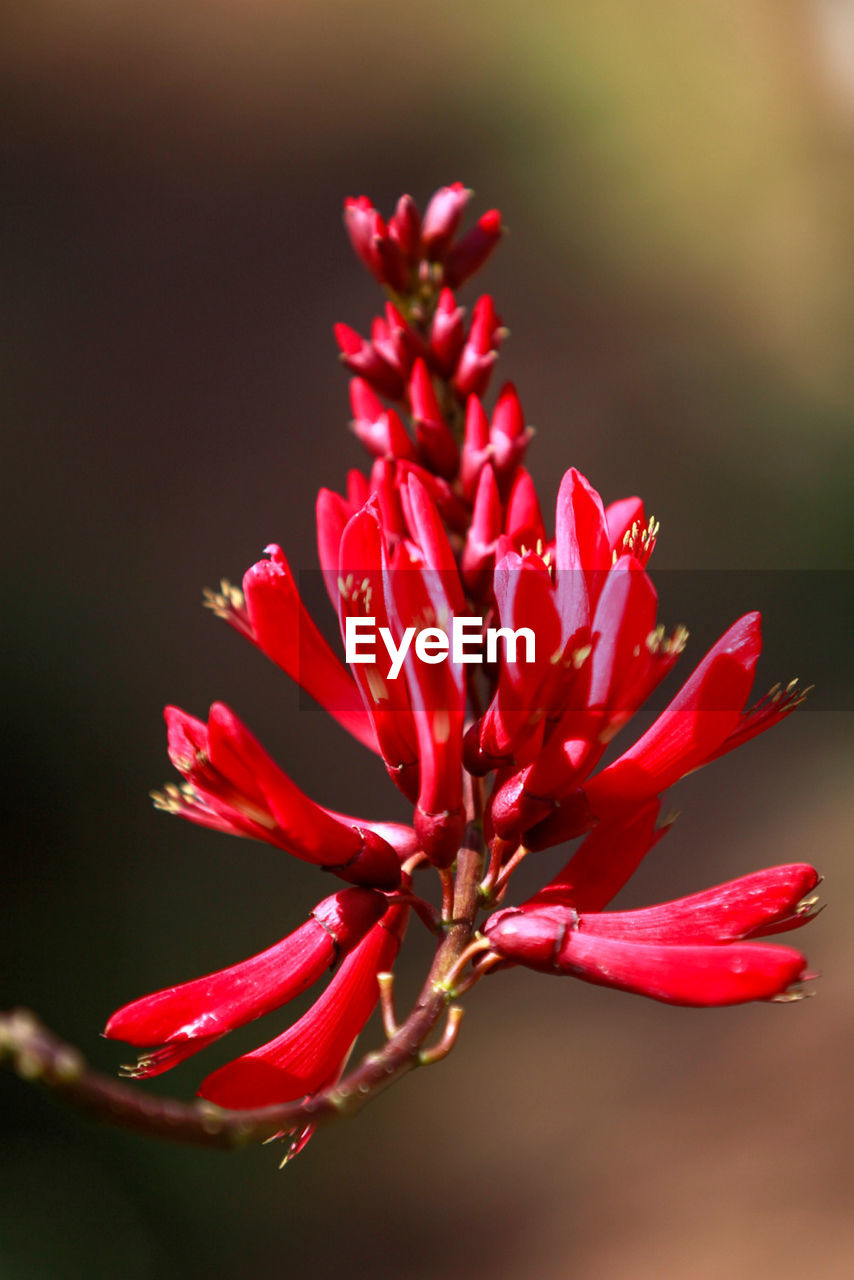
x: 497, y: 759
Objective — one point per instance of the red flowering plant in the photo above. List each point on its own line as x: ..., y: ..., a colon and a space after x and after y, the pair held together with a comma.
x: 490, y: 665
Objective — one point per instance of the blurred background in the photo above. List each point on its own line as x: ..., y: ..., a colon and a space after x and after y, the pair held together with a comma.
x: 677, y: 180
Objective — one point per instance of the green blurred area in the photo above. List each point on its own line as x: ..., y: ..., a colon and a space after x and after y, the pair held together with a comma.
x: 677, y: 181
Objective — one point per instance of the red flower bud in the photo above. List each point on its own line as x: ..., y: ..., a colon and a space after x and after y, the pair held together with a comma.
x: 434, y: 436
x: 379, y: 429
x: 480, y: 351
x: 362, y: 358
x: 479, y: 552
x: 366, y: 229
x: 404, y: 228
x: 470, y: 253
x: 447, y: 333
x: 477, y: 448
x: 441, y: 219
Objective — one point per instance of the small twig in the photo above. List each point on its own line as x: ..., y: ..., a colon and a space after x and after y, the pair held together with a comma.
x: 411, y: 863
x: 448, y: 982
x: 510, y: 867
x: 479, y: 970
x: 386, y: 985
x: 497, y: 853
x: 437, y: 1052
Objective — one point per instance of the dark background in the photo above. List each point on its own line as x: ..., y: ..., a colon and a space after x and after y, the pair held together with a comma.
x: 677, y: 181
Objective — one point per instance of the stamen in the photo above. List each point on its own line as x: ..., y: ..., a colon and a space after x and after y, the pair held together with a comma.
x: 640, y: 541
x: 229, y: 604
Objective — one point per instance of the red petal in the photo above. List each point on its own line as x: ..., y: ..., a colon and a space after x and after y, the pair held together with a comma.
x: 693, y: 726
x: 311, y: 1051
x: 303, y: 828
x: 604, y: 862
x: 620, y: 516
x: 209, y: 1007
x: 285, y: 632
x: 685, y: 975
x: 738, y: 909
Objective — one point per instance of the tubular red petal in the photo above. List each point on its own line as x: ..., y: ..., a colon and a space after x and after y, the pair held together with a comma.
x: 623, y: 620
x: 604, y: 862
x: 692, y: 727
x: 429, y: 534
x: 386, y: 486
x: 283, y: 630
x: 453, y: 510
x: 358, y: 490
x: 728, y: 912
x: 699, y: 976
x: 509, y: 435
x: 479, y: 354
x: 582, y: 549
x: 620, y: 516
x: 311, y: 1052
x: 364, y: 401
x: 201, y: 1011
x: 508, y: 419
x: 362, y: 593
x: 332, y: 513
x: 437, y: 691
x: 297, y: 824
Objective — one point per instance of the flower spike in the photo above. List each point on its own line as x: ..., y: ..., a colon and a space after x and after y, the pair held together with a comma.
x: 491, y: 656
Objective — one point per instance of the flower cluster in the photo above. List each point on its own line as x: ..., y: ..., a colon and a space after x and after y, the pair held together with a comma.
x: 498, y: 759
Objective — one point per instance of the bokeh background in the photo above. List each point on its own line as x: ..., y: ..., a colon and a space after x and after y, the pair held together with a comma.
x: 677, y: 180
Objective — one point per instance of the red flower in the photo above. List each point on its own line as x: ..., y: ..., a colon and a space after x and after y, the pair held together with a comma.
x: 685, y: 952
x: 182, y: 1020
x: 312, y: 1052
x: 234, y: 786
